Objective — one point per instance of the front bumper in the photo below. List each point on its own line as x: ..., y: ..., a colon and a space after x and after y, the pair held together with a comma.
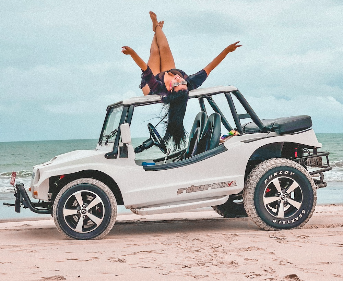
x: 23, y: 200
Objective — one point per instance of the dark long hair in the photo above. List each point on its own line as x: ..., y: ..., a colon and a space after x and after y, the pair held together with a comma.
x: 177, y: 103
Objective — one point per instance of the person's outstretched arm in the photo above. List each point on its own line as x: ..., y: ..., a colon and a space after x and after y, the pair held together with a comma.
x: 129, y: 51
x: 148, y: 76
x: 213, y: 64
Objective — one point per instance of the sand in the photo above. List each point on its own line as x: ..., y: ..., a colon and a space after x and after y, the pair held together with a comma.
x: 183, y: 246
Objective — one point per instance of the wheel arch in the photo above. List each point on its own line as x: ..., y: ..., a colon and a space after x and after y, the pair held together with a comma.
x: 262, y: 153
x: 273, y: 150
x: 56, y: 183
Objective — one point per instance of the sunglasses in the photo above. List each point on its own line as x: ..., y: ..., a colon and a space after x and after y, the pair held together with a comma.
x: 179, y: 83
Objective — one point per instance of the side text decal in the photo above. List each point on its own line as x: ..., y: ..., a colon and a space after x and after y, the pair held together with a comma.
x: 194, y: 188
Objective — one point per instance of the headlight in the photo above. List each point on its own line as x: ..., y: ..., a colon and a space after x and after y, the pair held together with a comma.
x: 35, y: 176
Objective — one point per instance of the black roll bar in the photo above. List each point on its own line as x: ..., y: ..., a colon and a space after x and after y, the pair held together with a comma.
x: 249, y: 110
x: 202, y: 104
x: 234, y: 113
x: 217, y: 110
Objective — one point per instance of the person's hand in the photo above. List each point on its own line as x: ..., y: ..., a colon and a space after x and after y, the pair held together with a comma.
x: 233, y: 47
x: 127, y: 50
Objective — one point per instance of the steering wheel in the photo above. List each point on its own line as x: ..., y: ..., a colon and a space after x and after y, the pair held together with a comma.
x: 155, y: 139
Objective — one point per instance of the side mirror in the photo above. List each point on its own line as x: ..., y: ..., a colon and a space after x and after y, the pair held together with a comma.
x: 125, y: 133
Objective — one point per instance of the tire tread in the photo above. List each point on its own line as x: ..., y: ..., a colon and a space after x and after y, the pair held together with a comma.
x: 100, y: 185
x: 254, y: 177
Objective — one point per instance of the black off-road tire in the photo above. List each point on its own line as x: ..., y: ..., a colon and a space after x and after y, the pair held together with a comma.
x: 279, y: 194
x: 85, y: 209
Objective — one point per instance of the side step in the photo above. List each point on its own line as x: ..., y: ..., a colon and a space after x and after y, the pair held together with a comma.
x: 179, y: 207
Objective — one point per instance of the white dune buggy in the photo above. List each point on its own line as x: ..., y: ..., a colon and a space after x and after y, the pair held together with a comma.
x: 270, y: 171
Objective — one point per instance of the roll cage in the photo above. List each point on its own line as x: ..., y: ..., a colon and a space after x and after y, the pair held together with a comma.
x: 201, y: 95
x: 287, y: 125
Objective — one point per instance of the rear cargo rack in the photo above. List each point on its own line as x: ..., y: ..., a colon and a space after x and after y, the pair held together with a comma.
x: 315, y: 160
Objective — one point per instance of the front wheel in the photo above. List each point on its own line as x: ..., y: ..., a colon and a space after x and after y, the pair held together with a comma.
x: 85, y: 209
x: 279, y: 194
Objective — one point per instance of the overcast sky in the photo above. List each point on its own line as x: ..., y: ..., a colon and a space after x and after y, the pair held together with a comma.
x: 61, y: 62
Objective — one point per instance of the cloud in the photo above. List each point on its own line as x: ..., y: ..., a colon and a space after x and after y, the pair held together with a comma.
x: 203, y: 23
x: 64, y: 58
x: 45, y: 82
x: 273, y: 107
x: 100, y: 68
x: 131, y: 94
x: 76, y: 108
x: 326, y: 111
x: 84, y: 107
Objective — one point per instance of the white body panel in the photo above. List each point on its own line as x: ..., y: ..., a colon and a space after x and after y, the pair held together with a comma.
x: 141, y: 188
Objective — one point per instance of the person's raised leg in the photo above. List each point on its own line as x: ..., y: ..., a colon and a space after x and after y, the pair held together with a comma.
x: 167, y: 59
x: 154, y: 61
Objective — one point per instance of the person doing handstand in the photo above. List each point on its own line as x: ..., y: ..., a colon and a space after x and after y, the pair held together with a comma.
x: 160, y: 77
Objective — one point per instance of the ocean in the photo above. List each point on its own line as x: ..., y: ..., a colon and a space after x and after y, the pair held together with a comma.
x: 22, y: 156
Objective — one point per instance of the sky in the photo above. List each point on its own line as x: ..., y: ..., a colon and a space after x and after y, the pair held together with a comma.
x: 61, y: 62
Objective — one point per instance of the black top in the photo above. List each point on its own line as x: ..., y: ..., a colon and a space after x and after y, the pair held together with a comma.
x: 157, y: 86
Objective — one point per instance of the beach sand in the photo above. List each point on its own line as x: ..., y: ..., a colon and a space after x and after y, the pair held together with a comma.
x: 182, y: 246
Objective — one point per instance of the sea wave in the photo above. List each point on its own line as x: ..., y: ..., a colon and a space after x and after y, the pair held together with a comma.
x: 20, y: 174
x: 333, y: 176
x: 23, y: 176
x: 337, y: 164
x: 6, y: 187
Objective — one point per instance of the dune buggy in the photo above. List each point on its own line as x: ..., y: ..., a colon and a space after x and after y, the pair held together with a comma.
x: 270, y: 171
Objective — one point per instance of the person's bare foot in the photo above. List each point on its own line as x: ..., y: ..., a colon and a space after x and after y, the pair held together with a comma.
x: 161, y: 23
x: 155, y: 23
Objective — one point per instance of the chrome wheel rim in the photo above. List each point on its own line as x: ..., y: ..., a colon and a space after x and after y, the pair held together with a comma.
x: 282, y: 197
x: 83, y: 211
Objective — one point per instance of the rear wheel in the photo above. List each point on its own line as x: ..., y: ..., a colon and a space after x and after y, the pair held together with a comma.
x: 279, y: 194
x: 85, y: 209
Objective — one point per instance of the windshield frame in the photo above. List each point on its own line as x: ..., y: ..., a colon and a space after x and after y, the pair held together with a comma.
x: 125, y: 117
x: 109, y: 112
